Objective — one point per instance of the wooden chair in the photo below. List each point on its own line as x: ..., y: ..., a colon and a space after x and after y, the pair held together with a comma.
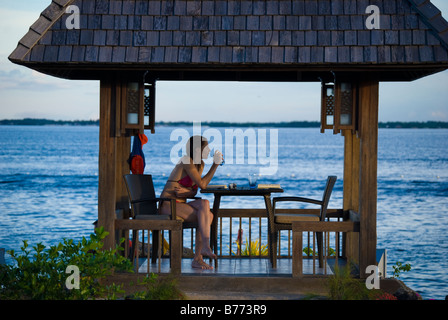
x: 283, y: 221
x: 145, y: 208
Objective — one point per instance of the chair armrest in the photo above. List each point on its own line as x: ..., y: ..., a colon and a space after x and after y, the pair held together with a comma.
x: 151, y: 200
x: 145, y: 200
x: 169, y: 199
x: 296, y: 199
x: 163, y: 199
x: 172, y: 206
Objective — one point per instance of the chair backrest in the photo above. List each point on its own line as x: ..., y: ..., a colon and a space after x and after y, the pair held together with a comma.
x: 331, y: 180
x: 140, y: 187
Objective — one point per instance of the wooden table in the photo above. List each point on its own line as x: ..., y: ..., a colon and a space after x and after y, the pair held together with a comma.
x: 238, y: 192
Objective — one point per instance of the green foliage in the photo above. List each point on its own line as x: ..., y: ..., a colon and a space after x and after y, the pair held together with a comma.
x: 41, y: 274
x: 309, y: 252
x: 342, y: 286
x: 156, y: 288
x: 252, y: 248
x: 399, y: 267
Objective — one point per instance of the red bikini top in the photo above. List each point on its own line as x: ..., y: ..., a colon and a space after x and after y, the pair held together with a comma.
x: 187, y: 182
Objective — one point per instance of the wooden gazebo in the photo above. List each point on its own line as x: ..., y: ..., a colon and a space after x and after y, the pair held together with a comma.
x: 129, y: 45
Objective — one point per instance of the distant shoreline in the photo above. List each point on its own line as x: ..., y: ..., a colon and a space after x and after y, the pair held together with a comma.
x: 291, y: 124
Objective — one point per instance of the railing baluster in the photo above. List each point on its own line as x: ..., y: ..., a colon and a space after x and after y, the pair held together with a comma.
x: 136, y: 250
x: 239, y: 239
x: 192, y: 239
x: 148, y: 258
x: 230, y: 237
x: 289, y: 243
x: 309, y: 252
x: 326, y: 249
x: 314, y: 248
x: 220, y: 236
x: 249, y: 245
x: 259, y: 236
x: 336, y: 248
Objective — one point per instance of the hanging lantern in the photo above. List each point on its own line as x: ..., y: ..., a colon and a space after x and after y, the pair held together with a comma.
x: 338, y: 106
x: 137, y: 106
x: 327, y: 106
x: 149, y: 106
x: 345, y: 106
x: 132, y: 106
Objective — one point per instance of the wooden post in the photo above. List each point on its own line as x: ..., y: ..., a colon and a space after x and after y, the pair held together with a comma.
x: 368, y: 121
x: 351, y: 191
x: 297, y: 257
x: 107, y: 162
x: 123, y: 149
x: 121, y: 198
x: 123, y: 145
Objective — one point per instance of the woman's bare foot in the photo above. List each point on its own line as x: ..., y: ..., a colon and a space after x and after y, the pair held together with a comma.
x: 200, y: 264
x: 207, y: 252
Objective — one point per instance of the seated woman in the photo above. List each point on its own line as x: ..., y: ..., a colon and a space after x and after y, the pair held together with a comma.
x: 183, y: 182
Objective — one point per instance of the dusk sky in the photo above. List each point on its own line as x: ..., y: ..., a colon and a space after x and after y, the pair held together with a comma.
x: 27, y: 93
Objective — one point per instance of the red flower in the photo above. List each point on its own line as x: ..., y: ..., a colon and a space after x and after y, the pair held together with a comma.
x: 386, y: 296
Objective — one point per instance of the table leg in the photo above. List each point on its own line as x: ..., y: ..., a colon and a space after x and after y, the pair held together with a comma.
x: 214, y: 227
x: 271, y: 246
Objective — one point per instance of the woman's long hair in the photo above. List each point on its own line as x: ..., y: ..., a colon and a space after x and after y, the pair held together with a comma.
x: 193, y: 149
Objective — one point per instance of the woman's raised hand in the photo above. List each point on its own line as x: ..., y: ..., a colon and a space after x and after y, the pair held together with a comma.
x: 218, y: 157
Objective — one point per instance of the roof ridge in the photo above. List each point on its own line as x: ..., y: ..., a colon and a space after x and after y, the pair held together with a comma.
x: 432, y: 17
x: 38, y: 29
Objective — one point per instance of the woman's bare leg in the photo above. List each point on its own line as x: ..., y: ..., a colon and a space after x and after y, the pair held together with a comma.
x: 198, y: 261
x: 205, y: 218
x: 196, y: 211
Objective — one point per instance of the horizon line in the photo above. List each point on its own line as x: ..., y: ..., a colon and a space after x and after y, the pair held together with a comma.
x: 295, y: 123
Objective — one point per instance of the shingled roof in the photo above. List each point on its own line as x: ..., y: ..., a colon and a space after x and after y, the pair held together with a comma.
x: 180, y: 39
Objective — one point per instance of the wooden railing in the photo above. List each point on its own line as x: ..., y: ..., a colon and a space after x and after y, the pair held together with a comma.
x: 123, y: 226
x: 243, y: 233
x: 325, y: 229
x: 253, y: 223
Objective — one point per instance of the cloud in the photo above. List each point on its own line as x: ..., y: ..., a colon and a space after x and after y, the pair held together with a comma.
x: 27, y: 93
x: 14, y: 24
x: 30, y: 80
x: 421, y: 100
x: 441, y: 115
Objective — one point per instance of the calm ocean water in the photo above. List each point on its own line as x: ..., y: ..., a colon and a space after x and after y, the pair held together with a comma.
x: 49, y: 180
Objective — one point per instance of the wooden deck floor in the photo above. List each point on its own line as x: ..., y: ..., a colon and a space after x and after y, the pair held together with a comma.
x: 238, y: 279
x: 245, y: 279
x: 238, y: 267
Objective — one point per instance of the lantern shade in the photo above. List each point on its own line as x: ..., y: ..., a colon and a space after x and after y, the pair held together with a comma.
x: 327, y: 106
x: 345, y: 106
x: 149, y: 106
x: 132, y: 103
